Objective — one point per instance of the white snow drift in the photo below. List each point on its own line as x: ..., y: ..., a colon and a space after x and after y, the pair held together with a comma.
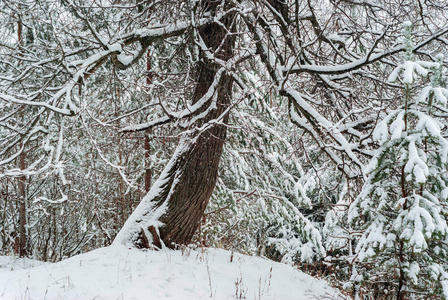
x: 121, y: 273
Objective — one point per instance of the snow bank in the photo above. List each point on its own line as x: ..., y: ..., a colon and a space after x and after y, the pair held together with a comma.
x: 11, y: 263
x: 121, y: 273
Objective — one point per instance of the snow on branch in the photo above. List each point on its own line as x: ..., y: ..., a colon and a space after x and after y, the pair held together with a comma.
x: 62, y: 111
x: 370, y: 58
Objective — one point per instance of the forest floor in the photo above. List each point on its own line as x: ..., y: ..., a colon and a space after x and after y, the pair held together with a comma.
x: 117, y: 272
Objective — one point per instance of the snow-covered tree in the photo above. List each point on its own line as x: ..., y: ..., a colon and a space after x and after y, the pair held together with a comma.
x: 263, y: 188
x: 402, y: 209
x: 101, y: 82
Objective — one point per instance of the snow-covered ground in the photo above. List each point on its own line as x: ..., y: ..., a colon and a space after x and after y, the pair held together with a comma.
x: 121, y: 273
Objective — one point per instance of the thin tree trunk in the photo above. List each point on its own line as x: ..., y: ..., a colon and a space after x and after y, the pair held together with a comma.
x: 402, y: 278
x: 22, y: 178
x: 148, y: 173
x: 172, y: 211
x: 149, y: 80
x: 22, y: 208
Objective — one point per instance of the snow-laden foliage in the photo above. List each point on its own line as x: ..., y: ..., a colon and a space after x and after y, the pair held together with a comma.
x: 83, y: 177
x: 96, y: 95
x: 263, y: 189
x: 402, y: 208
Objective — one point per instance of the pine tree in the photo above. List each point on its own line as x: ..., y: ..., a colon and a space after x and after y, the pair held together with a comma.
x: 402, y: 208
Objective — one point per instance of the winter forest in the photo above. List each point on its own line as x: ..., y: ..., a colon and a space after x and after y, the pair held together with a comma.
x: 308, y: 132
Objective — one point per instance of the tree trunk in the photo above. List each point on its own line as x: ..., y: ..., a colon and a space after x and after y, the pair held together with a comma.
x: 22, y: 208
x: 172, y: 210
x: 148, y: 173
x: 22, y: 179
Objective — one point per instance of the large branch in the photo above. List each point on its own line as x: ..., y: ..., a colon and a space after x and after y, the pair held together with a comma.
x: 370, y: 58
x: 313, y: 122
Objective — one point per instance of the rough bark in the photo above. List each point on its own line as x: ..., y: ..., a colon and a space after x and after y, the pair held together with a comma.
x: 199, y: 165
x: 192, y: 175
